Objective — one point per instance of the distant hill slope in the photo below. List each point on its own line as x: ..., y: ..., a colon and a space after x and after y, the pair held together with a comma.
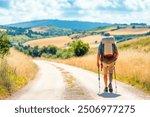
x: 129, y: 31
x: 76, y: 25
x: 60, y: 41
x: 140, y: 44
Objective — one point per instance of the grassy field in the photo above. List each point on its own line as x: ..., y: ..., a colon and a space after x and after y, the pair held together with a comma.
x: 104, y: 29
x: 132, y: 67
x: 63, y: 40
x: 16, y: 72
x: 56, y: 41
x: 128, y: 31
x: 92, y: 40
x: 139, y: 44
x: 40, y: 29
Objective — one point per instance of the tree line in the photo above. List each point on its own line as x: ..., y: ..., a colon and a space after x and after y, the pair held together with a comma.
x: 77, y: 48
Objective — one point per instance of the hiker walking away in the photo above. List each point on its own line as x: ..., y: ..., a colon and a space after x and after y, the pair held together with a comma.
x: 107, y: 56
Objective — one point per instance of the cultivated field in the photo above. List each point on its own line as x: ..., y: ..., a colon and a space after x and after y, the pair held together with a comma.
x: 56, y: 41
x: 92, y: 40
x: 63, y: 41
x: 40, y: 29
x: 128, y: 31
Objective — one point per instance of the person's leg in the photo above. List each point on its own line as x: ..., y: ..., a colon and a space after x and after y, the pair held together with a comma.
x: 111, y: 69
x: 110, y: 77
x: 105, y: 77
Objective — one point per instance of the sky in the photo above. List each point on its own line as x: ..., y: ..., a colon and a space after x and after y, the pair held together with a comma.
x: 109, y: 11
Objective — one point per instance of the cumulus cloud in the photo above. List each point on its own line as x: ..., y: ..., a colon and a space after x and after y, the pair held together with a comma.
x: 113, y: 11
x: 137, y: 4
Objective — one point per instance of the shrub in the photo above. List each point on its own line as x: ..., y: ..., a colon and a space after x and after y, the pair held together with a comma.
x: 80, y: 48
x: 4, y: 76
x: 35, y: 52
x: 4, y: 44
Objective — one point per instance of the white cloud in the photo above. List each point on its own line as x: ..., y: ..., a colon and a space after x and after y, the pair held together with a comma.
x: 137, y: 4
x: 85, y: 10
x: 93, y: 4
x: 25, y: 10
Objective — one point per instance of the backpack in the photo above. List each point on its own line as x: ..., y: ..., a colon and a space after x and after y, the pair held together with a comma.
x: 108, y: 48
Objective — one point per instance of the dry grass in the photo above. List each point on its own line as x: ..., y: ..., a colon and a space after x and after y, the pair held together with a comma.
x: 92, y: 40
x: 134, y: 65
x: 56, y: 41
x: 127, y: 31
x: 20, y: 71
x: 63, y: 40
x: 23, y: 64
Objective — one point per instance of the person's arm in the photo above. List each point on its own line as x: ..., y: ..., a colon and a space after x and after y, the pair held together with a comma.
x: 98, y: 58
x: 99, y: 55
x: 116, y: 54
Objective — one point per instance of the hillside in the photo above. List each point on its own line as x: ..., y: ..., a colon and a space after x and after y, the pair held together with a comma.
x: 61, y: 41
x: 140, y: 44
x: 93, y: 41
x: 76, y: 25
x: 129, y: 31
x: 51, y: 30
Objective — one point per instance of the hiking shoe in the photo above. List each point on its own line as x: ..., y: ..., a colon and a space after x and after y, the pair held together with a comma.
x: 110, y: 87
x: 106, y: 89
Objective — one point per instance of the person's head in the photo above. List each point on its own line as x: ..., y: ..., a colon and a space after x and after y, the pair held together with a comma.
x: 107, y: 34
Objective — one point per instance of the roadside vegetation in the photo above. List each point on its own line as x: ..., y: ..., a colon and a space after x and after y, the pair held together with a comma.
x: 16, y: 69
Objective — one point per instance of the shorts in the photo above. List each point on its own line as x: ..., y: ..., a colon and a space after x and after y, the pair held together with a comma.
x: 108, y: 68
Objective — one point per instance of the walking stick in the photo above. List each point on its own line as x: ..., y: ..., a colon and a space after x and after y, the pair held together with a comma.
x: 99, y: 79
x: 99, y: 76
x: 115, y: 79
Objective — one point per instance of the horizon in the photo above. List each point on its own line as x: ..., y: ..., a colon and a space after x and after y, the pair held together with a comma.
x: 71, y: 21
x: 101, y: 11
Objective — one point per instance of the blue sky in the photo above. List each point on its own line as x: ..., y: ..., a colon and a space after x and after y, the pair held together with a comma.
x: 110, y: 11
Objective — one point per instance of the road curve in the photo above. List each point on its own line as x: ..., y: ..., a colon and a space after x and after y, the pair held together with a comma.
x: 65, y: 82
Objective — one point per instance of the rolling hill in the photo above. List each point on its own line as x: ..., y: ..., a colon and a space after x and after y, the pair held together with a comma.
x: 130, y: 31
x: 76, y: 25
x: 56, y: 41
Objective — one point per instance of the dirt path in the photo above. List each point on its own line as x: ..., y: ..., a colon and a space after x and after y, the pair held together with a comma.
x: 60, y: 81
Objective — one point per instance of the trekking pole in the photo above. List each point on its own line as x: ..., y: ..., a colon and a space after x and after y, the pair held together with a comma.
x: 115, y: 79
x: 99, y: 79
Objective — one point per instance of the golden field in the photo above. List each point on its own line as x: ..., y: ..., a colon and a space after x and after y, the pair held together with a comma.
x: 93, y: 41
x: 56, y: 41
x: 15, y: 73
x: 128, y: 31
x: 132, y: 66
x: 63, y: 40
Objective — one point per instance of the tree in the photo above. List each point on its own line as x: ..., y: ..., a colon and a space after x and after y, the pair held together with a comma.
x: 35, y: 52
x: 80, y: 48
x: 4, y: 44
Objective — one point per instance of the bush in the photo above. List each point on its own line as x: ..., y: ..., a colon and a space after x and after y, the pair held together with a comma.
x: 67, y: 53
x: 80, y: 48
x: 35, y: 52
x: 4, y: 44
